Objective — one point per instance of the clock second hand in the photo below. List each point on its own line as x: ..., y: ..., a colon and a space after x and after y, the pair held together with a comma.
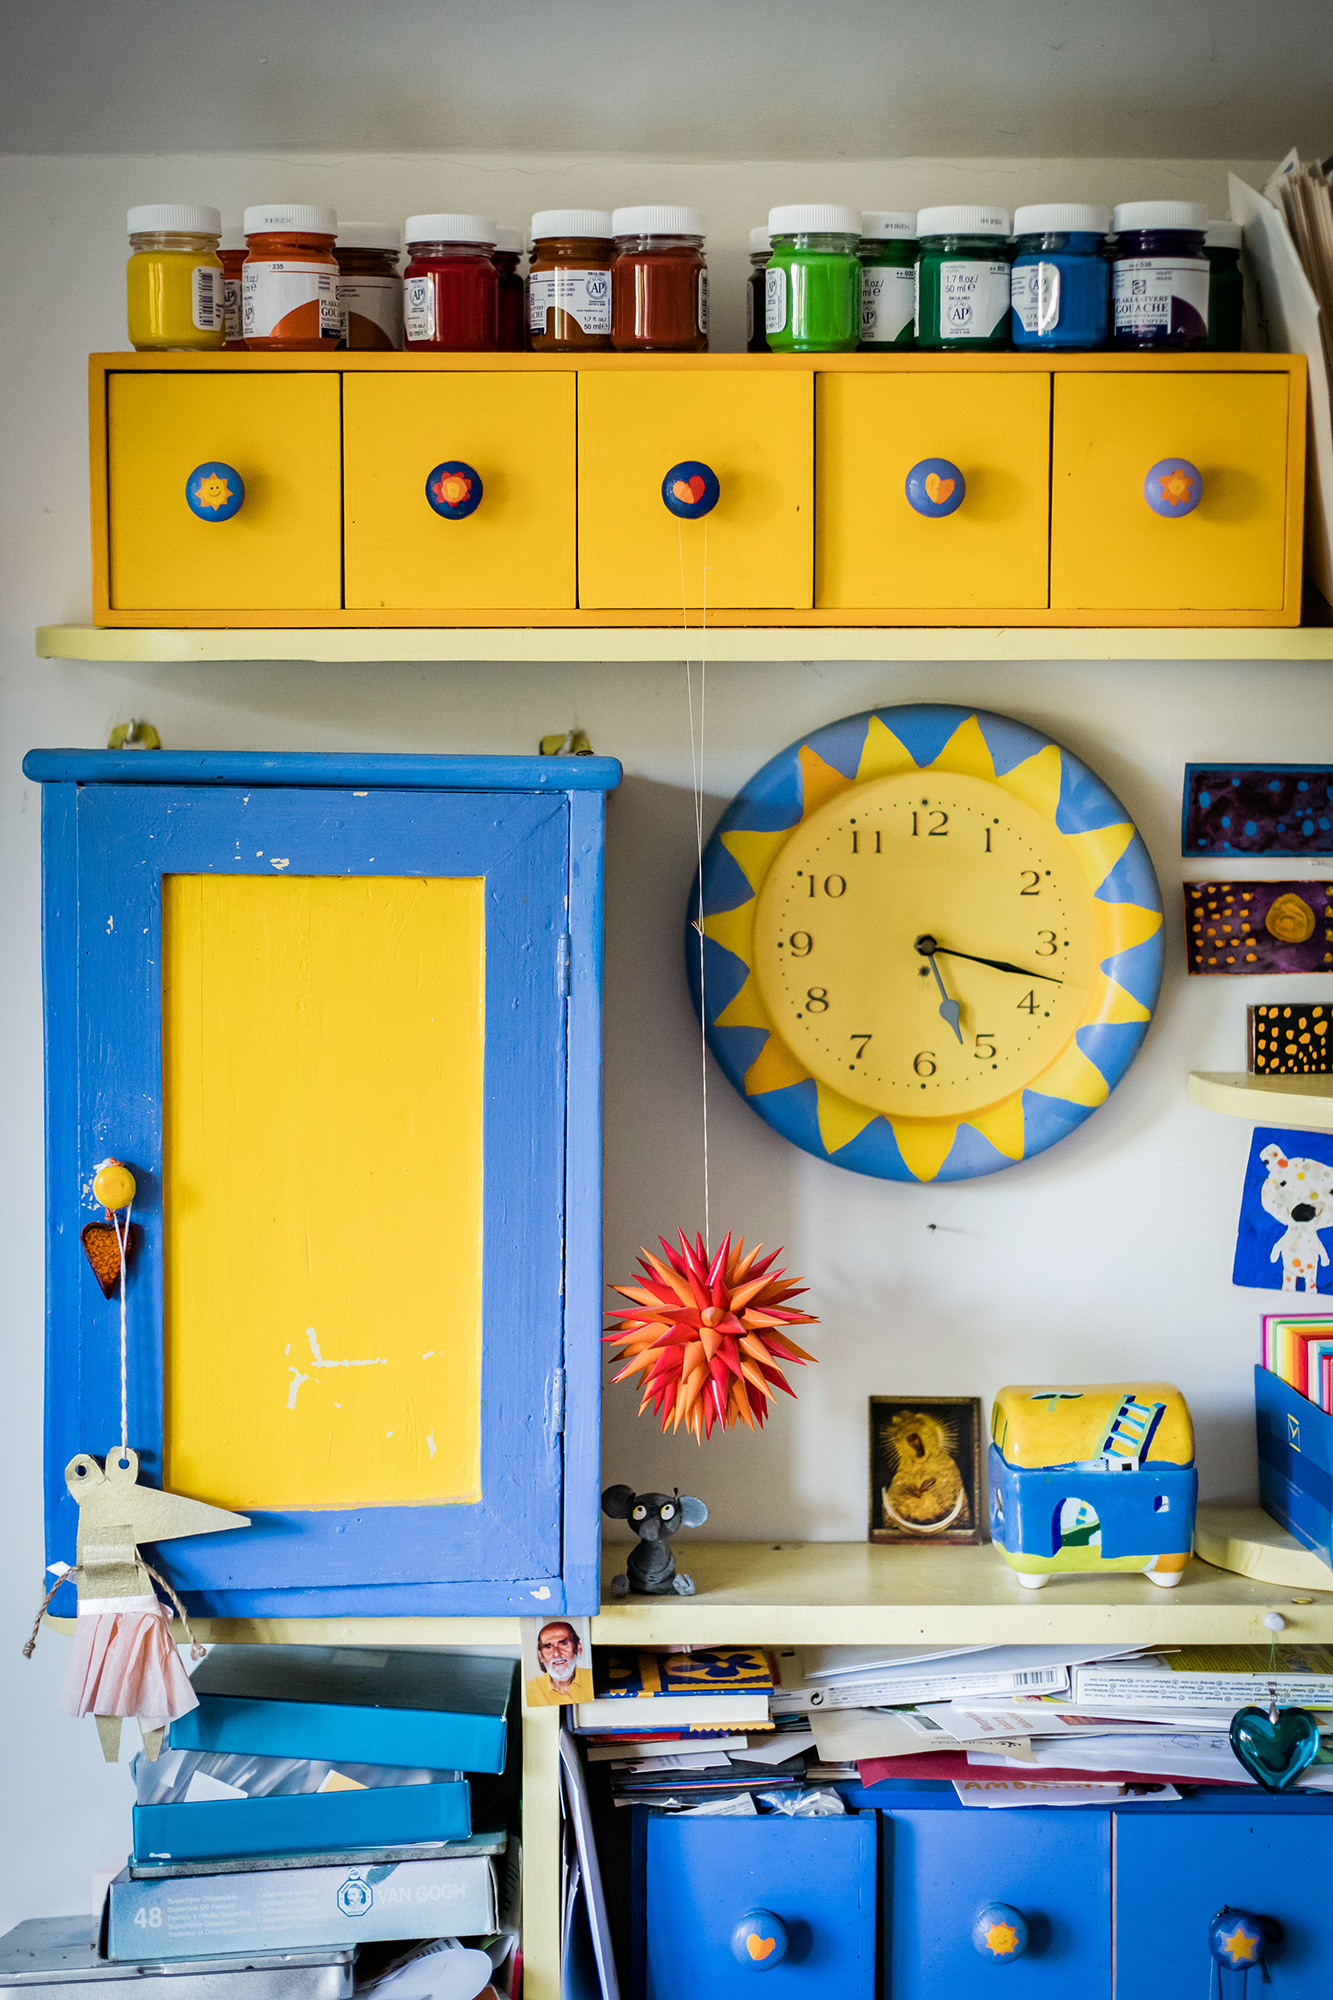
x: 949, y: 1009
x: 928, y: 948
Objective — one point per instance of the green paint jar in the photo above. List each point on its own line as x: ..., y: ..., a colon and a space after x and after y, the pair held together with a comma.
x: 962, y: 279
x: 1226, y: 287
x: 888, y: 279
x: 812, y: 288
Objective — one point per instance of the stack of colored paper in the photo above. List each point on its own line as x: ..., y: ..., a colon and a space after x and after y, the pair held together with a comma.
x: 1299, y: 1351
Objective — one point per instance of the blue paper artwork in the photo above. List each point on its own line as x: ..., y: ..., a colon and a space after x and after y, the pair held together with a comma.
x: 1285, y: 1235
x: 1257, y: 809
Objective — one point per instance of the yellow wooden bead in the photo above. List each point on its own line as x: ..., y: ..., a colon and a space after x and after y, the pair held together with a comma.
x: 113, y: 1184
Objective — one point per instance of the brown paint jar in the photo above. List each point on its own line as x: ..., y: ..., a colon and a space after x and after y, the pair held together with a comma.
x: 659, y: 282
x: 569, y: 281
x: 370, y: 290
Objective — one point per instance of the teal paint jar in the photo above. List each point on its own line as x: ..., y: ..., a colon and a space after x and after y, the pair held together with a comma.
x: 812, y: 295
x: 1226, y: 287
x: 888, y: 279
x: 962, y: 279
x: 1061, y: 278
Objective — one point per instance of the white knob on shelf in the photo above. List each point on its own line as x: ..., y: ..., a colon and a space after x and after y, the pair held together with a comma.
x: 1275, y: 1622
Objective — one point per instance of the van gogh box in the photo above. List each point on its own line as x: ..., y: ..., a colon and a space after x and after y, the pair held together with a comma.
x: 1295, y: 1440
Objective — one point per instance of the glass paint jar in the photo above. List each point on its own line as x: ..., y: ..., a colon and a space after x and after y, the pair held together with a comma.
x: 232, y: 252
x: 1060, y: 284
x: 659, y: 282
x: 756, y: 340
x: 1159, y: 276
x: 888, y: 279
x: 451, y: 288
x: 962, y: 279
x: 569, y: 281
x: 370, y: 291
x: 511, y: 323
x: 1226, y: 287
x: 174, y: 278
x: 812, y: 298
x: 289, y: 281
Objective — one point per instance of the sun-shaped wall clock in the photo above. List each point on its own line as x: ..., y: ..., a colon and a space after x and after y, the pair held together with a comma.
x: 933, y: 942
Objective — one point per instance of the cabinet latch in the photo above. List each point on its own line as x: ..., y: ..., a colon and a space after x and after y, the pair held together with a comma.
x: 564, y: 953
x: 555, y: 1406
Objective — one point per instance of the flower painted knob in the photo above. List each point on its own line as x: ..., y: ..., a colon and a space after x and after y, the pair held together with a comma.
x: 935, y: 487
x: 1240, y: 1940
x: 1000, y: 1933
x: 759, y: 1939
x: 1173, y: 487
x: 454, y: 490
x: 214, y: 491
x: 690, y: 490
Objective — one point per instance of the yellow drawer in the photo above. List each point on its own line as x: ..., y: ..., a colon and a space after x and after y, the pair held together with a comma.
x: 755, y: 433
x: 873, y: 549
x: 517, y: 433
x: 1110, y: 551
x: 282, y: 550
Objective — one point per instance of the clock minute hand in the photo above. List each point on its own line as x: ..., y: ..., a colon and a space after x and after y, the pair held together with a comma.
x: 998, y: 965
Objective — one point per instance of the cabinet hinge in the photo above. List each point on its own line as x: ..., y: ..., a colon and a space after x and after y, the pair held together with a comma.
x: 564, y: 953
x: 555, y: 1406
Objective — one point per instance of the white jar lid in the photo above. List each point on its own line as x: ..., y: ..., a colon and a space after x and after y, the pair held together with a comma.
x: 278, y: 217
x: 511, y: 240
x: 1055, y: 217
x: 656, y: 222
x: 1224, y: 235
x: 814, y: 218
x: 368, y: 236
x: 879, y: 224
x: 232, y: 239
x: 968, y: 221
x: 182, y: 218
x: 1161, y: 215
x: 760, y: 240
x: 572, y: 222
x: 450, y: 229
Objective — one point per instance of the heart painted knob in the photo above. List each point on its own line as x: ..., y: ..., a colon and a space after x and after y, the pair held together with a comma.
x: 691, y: 490
x: 1173, y: 488
x: 935, y: 487
x: 1239, y: 1939
x: 1000, y: 1933
x: 214, y: 491
x: 454, y: 489
x: 759, y: 1939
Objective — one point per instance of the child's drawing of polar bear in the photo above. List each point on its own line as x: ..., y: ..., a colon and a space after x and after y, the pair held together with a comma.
x: 1298, y: 1193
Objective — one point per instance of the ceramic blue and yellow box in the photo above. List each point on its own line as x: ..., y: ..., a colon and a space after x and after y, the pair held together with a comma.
x: 1096, y: 1478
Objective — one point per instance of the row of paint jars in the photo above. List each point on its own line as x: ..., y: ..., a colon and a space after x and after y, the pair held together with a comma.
x: 825, y: 280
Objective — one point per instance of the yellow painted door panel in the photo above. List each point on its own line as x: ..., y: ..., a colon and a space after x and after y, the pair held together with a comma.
x: 517, y: 432
x: 322, y: 1053
x: 283, y: 550
x: 756, y: 433
x: 1110, y: 551
x: 873, y: 549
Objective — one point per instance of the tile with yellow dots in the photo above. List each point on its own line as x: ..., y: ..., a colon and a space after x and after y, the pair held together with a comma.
x: 1294, y: 1040
x: 1237, y: 927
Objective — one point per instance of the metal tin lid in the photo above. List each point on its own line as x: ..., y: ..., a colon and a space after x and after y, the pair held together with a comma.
x: 656, y: 222
x: 1223, y: 236
x: 571, y: 222
x: 964, y: 221
x: 368, y: 236
x: 1161, y: 215
x: 180, y: 217
x: 1043, y: 218
x: 881, y: 224
x: 450, y: 229
x: 814, y: 218
x: 760, y: 240
x: 277, y: 217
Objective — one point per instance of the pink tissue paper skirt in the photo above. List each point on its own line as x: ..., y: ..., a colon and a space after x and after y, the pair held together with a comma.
x: 126, y: 1663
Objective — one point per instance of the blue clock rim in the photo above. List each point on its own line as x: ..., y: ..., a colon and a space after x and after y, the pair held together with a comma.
x: 771, y: 800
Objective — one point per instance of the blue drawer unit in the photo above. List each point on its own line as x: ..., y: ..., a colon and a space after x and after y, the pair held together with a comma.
x: 775, y: 1906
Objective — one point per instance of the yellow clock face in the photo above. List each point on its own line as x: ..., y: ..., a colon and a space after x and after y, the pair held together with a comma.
x: 845, y: 924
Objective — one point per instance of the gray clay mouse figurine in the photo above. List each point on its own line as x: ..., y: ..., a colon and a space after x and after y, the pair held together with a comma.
x: 651, y: 1568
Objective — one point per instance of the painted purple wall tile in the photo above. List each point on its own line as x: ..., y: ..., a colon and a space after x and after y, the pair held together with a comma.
x: 1239, y: 927
x: 1291, y: 1038
x: 1257, y: 809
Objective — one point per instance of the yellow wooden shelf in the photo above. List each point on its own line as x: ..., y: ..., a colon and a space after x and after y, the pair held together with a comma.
x: 1305, y: 1102
x: 1247, y: 1540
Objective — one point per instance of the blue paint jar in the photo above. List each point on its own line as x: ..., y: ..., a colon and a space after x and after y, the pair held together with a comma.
x: 1060, y: 280
x: 1159, y: 276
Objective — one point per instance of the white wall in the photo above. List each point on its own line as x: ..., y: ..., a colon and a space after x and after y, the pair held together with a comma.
x: 1107, y: 1256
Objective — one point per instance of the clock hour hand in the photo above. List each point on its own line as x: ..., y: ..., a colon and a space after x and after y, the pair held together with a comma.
x: 928, y: 947
x: 949, y: 1009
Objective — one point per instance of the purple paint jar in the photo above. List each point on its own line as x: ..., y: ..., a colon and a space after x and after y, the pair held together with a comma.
x: 1159, y: 275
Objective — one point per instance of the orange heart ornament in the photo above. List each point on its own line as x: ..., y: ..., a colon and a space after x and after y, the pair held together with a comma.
x: 102, y: 1249
x: 688, y: 491
x: 937, y: 489
x: 759, y: 1948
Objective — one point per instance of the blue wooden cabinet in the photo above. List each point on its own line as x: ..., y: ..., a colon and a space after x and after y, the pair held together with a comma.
x: 341, y: 1017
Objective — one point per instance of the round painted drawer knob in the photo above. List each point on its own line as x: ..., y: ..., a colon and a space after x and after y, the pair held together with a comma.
x: 1239, y: 1939
x: 454, y: 489
x: 1000, y: 1933
x: 691, y: 490
x: 935, y: 487
x: 759, y: 1939
x: 214, y: 491
x: 1173, y: 488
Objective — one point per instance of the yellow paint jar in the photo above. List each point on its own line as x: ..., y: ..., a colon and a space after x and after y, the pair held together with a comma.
x: 174, y: 278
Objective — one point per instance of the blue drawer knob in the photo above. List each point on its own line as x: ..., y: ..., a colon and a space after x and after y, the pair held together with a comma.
x: 691, y: 490
x: 1173, y: 488
x: 454, y: 489
x: 214, y: 491
x: 1238, y: 1939
x: 759, y: 1939
x: 935, y: 487
x: 1000, y: 1933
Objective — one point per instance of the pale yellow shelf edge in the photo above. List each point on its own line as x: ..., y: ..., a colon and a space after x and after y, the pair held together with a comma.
x: 145, y: 645
x: 1305, y: 1102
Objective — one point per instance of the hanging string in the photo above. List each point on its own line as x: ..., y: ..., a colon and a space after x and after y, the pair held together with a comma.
x: 697, y: 745
x: 123, y: 1245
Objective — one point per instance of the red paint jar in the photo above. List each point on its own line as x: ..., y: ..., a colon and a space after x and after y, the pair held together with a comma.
x: 451, y: 288
x: 512, y: 337
x: 289, y: 281
x: 231, y: 253
x: 659, y: 282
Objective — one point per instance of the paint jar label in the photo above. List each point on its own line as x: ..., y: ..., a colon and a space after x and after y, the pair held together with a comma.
x: 974, y: 300
x: 703, y: 302
x: 749, y: 314
x: 584, y: 295
x: 206, y: 298
x: 419, y: 308
x: 231, y: 309
x: 775, y: 299
x: 286, y: 300
x: 888, y: 303
x: 1036, y: 297
x: 1152, y: 295
x: 377, y: 304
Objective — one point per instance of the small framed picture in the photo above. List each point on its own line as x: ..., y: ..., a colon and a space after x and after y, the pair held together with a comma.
x: 557, y: 1661
x: 925, y: 1469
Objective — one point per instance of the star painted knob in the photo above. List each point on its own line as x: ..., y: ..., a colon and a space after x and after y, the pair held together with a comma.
x: 759, y: 1940
x: 1173, y: 488
x: 214, y: 491
x: 1000, y: 1933
x: 454, y: 489
x: 1238, y: 1939
x: 691, y: 490
x: 935, y: 487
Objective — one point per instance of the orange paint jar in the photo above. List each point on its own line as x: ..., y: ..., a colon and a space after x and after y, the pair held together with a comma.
x: 289, y: 284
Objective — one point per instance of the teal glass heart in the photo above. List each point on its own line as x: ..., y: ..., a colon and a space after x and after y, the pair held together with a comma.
x: 1275, y: 1753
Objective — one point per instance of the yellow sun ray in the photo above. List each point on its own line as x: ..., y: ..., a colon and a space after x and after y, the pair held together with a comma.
x: 747, y: 1010
x: 882, y: 755
x: 840, y: 1121
x: 774, y: 1068
x: 819, y: 782
x: 1073, y: 1077
x: 733, y: 930
x: 924, y: 1144
x: 1120, y: 926
x: 753, y: 852
x: 1037, y: 781
x: 1115, y: 1007
x: 1002, y: 1124
x: 967, y: 752
x: 1099, y: 851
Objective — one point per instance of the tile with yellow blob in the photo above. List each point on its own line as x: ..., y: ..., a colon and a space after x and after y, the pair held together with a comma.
x: 1238, y: 927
